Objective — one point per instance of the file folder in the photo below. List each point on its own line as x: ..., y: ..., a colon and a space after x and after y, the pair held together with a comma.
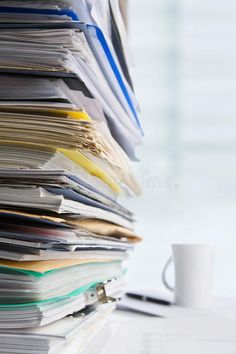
x: 69, y: 126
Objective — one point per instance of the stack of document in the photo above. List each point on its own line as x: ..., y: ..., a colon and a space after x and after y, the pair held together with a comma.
x: 68, y: 131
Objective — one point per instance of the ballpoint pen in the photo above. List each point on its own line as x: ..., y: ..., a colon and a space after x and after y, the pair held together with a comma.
x: 148, y: 298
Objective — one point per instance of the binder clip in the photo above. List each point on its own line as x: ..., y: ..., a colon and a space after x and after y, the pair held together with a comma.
x: 84, y: 312
x: 105, y: 292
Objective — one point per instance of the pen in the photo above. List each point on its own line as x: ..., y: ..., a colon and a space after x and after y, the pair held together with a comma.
x: 148, y: 299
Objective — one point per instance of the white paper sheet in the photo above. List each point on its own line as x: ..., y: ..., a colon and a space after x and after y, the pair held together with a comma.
x: 174, y: 336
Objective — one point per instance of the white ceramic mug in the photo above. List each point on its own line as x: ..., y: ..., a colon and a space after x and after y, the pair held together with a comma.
x: 193, y: 274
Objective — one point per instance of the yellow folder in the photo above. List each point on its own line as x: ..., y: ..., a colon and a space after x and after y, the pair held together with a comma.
x: 45, y: 266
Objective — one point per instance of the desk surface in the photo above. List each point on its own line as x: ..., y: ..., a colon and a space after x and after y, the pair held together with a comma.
x: 182, y: 331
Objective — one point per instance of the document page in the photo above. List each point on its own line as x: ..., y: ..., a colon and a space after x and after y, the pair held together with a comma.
x: 174, y: 336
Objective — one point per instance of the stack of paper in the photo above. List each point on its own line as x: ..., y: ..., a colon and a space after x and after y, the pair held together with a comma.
x: 68, y: 130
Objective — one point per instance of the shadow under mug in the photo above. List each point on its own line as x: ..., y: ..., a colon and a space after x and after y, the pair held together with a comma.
x: 193, y: 274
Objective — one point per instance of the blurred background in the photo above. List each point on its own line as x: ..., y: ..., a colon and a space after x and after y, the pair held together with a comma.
x: 185, y: 78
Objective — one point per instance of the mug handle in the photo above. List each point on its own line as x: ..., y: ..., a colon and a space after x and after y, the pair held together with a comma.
x: 164, y: 277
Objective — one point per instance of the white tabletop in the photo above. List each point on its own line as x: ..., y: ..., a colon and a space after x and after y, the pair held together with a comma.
x: 181, y: 331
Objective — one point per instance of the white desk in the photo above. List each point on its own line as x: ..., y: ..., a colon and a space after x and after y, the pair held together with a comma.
x: 182, y: 331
